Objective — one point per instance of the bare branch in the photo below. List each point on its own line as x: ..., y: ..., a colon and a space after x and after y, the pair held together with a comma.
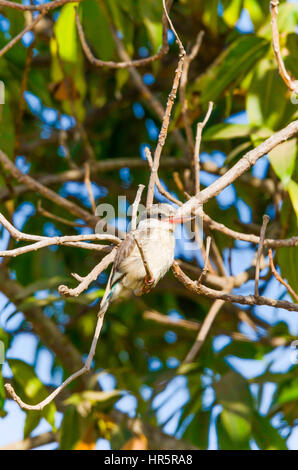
x: 46, y: 192
x: 205, y: 268
x: 135, y: 207
x: 196, y: 156
x: 244, y: 164
x: 42, y: 242
x: 159, y: 186
x: 183, y: 82
x: 92, y: 276
x: 21, y: 34
x: 128, y: 63
x: 89, y: 187
x: 42, y: 7
x: 279, y: 278
x: 240, y: 299
x: 32, y: 442
x: 290, y: 83
x: 260, y: 250
x: 111, y: 164
x: 86, y: 368
x: 170, y: 322
x: 49, y: 215
x: 204, y: 330
x: 149, y: 273
x: 269, y: 242
x: 166, y: 118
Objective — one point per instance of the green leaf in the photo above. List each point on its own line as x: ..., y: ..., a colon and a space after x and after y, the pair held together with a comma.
x: 227, y: 131
x: 70, y: 429
x: 66, y: 34
x: 287, y: 20
x: 287, y: 257
x: 258, y: 11
x: 2, y: 390
x: 197, y: 432
x: 233, y: 431
x: 107, y: 399
x: 122, y: 22
x: 230, y: 66
x: 267, y: 102
x: 67, y: 63
x: 31, y: 422
x: 282, y: 159
x: 265, y: 435
x: 293, y: 192
x: 210, y: 16
x: 97, y: 29
x: 288, y: 392
x: 151, y: 14
x: 32, y: 390
x: 253, y: 350
x: 7, y: 130
x: 232, y: 391
x: 231, y: 11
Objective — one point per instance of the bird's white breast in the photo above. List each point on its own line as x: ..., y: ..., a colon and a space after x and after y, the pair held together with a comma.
x: 158, y: 245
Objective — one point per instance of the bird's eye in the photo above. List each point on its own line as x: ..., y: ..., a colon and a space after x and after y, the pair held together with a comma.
x: 159, y: 216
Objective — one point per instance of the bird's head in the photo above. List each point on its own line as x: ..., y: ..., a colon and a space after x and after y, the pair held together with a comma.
x: 160, y: 215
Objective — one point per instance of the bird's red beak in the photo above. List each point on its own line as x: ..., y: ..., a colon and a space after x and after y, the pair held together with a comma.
x: 178, y: 220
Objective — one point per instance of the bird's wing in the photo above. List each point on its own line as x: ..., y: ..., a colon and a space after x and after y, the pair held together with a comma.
x: 124, y: 250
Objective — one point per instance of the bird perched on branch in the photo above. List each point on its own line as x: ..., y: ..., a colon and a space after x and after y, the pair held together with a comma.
x: 152, y: 244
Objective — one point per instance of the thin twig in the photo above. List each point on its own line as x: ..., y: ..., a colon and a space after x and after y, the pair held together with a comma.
x: 204, y: 330
x: 196, y: 156
x: 290, y: 83
x: 149, y: 273
x: 183, y: 82
x: 49, y: 215
x: 21, y: 34
x: 159, y: 186
x: 32, y: 442
x: 129, y: 63
x: 111, y: 164
x: 86, y: 368
x: 34, y: 185
x: 166, y: 118
x: 205, y: 268
x: 89, y: 187
x: 135, y: 207
x: 19, y: 120
x: 63, y: 143
x: 42, y: 241
x: 243, y: 165
x: 40, y: 7
x: 193, y: 287
x: 92, y: 276
x: 250, y: 238
x: 279, y: 278
x: 260, y: 250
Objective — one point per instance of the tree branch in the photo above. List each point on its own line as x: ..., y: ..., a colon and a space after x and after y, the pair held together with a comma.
x: 244, y: 164
x: 128, y: 63
x: 240, y: 299
x: 290, y: 83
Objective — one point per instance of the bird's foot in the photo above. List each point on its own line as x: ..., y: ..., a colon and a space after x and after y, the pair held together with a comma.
x: 148, y: 283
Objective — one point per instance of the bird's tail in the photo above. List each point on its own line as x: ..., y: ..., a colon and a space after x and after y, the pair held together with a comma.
x: 109, y: 294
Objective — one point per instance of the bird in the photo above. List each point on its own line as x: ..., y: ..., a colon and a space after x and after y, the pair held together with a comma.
x: 155, y: 236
